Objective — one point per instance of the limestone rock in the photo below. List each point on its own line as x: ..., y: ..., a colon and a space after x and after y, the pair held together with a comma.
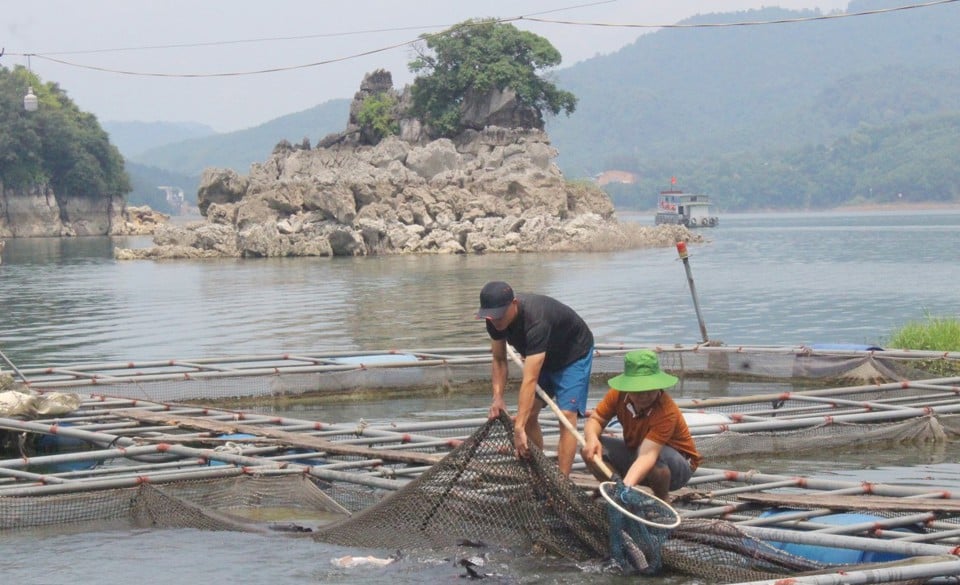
x: 140, y: 221
x: 490, y: 189
x: 37, y: 211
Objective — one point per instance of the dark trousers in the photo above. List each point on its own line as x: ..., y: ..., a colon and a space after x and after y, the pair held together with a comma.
x: 620, y: 457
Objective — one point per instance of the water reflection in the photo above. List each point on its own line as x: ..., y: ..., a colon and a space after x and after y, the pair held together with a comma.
x: 761, y: 279
x: 769, y: 279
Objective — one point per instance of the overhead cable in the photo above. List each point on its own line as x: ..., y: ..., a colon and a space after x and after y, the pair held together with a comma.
x: 832, y: 16
x: 530, y: 18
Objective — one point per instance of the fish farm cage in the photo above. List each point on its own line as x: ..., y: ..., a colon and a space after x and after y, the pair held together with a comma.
x: 146, y: 444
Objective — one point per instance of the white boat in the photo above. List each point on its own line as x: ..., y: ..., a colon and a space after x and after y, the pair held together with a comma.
x: 688, y: 209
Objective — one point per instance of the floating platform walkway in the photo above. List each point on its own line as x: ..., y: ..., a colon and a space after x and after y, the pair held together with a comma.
x: 144, y: 445
x: 211, y: 379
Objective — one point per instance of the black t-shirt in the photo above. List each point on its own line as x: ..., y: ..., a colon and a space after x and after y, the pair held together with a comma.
x: 544, y: 324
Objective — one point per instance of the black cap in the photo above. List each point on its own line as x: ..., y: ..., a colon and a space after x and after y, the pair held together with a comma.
x: 495, y: 299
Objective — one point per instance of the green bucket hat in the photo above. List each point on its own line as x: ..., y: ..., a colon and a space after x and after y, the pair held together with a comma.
x: 641, y: 373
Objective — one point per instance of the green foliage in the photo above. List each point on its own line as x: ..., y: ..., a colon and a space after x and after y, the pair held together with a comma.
x: 377, y: 115
x: 916, y: 160
x: 478, y: 56
x: 20, y: 142
x: 934, y: 334
x: 773, y: 117
x: 57, y: 144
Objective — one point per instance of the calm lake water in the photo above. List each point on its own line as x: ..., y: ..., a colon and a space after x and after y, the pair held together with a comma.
x: 761, y: 279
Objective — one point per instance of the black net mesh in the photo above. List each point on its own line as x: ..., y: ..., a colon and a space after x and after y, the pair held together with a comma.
x: 719, y: 551
x: 639, y: 525
x: 232, y: 503
x: 481, y: 492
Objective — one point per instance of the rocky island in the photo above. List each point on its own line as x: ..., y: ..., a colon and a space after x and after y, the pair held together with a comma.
x: 492, y: 188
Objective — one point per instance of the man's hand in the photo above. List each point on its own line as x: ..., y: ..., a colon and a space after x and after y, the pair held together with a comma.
x: 497, y: 406
x: 520, y: 442
x: 591, y: 449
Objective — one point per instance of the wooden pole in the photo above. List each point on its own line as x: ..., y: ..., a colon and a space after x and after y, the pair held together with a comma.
x: 682, y: 251
x: 14, y: 368
x: 598, y: 461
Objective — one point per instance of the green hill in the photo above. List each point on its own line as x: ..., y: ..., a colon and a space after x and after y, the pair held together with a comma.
x: 793, y: 115
x: 133, y: 138
x: 146, y: 181
x: 238, y: 150
x: 690, y: 93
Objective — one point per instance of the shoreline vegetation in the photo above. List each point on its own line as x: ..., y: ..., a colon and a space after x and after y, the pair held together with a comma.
x: 934, y: 333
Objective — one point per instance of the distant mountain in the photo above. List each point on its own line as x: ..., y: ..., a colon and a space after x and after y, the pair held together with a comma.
x: 801, y: 114
x: 680, y: 94
x: 133, y: 138
x: 238, y: 150
x: 146, y: 182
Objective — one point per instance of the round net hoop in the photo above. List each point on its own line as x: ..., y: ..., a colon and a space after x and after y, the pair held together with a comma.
x: 668, y: 518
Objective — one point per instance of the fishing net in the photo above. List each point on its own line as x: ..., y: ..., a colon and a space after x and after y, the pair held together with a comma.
x: 639, y: 525
x: 481, y: 492
x: 239, y: 503
x: 830, y: 435
x: 719, y: 552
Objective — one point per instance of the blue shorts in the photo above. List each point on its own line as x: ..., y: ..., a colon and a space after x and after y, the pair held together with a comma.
x: 569, y: 387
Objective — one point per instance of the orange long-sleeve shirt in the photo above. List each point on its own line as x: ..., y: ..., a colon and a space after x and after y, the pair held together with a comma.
x: 663, y: 423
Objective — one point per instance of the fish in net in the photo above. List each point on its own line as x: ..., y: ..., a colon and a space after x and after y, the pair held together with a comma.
x: 639, y: 525
x: 481, y: 492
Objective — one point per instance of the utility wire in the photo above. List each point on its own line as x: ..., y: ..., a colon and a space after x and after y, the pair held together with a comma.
x: 744, y: 23
x: 304, y: 37
x: 530, y: 17
x: 225, y: 74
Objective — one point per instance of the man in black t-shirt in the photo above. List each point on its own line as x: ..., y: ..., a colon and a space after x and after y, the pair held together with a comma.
x: 557, y: 347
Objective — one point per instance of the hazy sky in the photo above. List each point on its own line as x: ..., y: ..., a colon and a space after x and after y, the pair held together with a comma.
x: 180, y: 38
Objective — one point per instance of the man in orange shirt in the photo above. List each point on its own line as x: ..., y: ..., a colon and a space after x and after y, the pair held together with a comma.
x: 656, y: 449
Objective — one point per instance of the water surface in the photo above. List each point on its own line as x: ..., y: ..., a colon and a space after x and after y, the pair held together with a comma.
x: 761, y: 279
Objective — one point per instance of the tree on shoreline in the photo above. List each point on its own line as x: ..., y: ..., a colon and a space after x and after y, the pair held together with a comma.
x: 58, y: 144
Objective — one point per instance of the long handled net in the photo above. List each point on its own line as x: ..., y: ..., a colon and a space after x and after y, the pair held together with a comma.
x: 481, y: 493
x: 639, y: 525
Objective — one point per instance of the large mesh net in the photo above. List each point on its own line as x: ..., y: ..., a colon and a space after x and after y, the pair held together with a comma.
x: 639, y: 525
x: 232, y: 503
x: 482, y: 492
x: 294, y: 375
x: 479, y: 494
x: 720, y: 552
x: 829, y: 435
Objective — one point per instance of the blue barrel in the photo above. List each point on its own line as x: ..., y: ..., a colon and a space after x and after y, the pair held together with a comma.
x: 836, y: 556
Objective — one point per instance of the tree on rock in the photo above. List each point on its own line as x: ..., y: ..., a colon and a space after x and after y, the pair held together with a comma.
x: 477, y: 58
